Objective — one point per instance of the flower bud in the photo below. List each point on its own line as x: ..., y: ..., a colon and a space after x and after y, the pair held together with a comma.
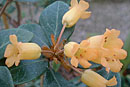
x: 20, y: 51
x: 71, y: 17
x: 93, y: 79
x: 77, y: 11
x: 68, y: 49
x: 29, y: 51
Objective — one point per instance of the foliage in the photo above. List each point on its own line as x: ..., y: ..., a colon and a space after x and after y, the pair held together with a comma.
x: 40, y: 34
x: 50, y: 23
x: 5, y: 77
x: 125, y: 70
x: 53, y: 78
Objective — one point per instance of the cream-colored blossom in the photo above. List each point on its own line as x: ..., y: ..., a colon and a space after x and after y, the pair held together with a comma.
x: 79, y: 53
x: 109, y: 48
x: 20, y: 51
x: 77, y: 11
x: 93, y: 79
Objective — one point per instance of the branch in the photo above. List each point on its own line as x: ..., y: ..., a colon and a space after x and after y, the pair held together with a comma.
x: 18, y: 12
x: 41, y: 82
x: 75, y: 69
x: 4, y: 7
x: 5, y: 21
x: 12, y: 21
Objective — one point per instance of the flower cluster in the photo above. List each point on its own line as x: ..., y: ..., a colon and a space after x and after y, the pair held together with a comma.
x: 102, y: 49
x: 20, y: 51
x: 105, y: 49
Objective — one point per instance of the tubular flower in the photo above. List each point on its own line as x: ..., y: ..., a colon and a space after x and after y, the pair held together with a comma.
x: 109, y: 49
x: 77, y: 11
x: 20, y: 51
x: 93, y: 79
x: 79, y: 53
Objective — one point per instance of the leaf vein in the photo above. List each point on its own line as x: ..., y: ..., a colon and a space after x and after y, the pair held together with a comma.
x: 55, y: 79
x: 57, y: 20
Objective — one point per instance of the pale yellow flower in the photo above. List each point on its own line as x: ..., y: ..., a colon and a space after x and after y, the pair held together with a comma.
x: 79, y: 53
x: 20, y: 51
x: 109, y: 49
x: 77, y: 11
x: 93, y: 79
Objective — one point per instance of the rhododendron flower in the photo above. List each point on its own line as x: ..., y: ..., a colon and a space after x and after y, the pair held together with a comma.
x: 77, y: 11
x: 79, y: 53
x: 93, y: 79
x: 109, y: 49
x: 20, y: 51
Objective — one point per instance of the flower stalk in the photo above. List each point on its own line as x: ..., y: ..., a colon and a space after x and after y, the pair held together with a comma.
x: 59, y: 38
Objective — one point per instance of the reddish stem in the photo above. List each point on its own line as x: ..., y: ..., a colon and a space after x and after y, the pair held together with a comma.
x: 59, y: 38
x: 18, y: 12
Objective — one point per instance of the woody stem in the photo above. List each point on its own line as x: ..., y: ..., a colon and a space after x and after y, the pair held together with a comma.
x: 61, y: 51
x: 75, y: 69
x: 59, y: 38
x: 4, y: 7
x: 46, y: 51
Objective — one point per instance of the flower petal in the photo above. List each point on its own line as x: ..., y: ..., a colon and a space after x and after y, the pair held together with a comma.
x: 93, y: 79
x: 91, y: 54
x: 84, y: 44
x: 13, y: 39
x: 84, y: 63
x: 115, y: 65
x: 119, y: 53
x: 10, y: 61
x: 111, y: 39
x: 17, y: 62
x: 74, y: 61
x: 112, y: 82
x: 83, y: 5
x: 29, y: 51
x: 105, y: 64
x: 69, y: 49
x: 75, y: 48
x: 73, y: 3
x: 85, y: 15
x: 95, y: 41
x: 10, y: 50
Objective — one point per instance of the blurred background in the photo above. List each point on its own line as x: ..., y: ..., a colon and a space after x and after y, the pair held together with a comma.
x: 105, y: 14
x: 111, y: 14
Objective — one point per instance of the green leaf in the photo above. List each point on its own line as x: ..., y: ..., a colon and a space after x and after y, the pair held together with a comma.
x: 56, y: 66
x: 126, y: 47
x: 54, y: 79
x: 39, y: 36
x: 23, y: 36
x: 2, y: 2
x: 28, y: 70
x: 51, y: 20
x: 45, y: 3
x: 128, y: 78
x: 27, y: 0
x: 5, y: 77
x: 11, y: 9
